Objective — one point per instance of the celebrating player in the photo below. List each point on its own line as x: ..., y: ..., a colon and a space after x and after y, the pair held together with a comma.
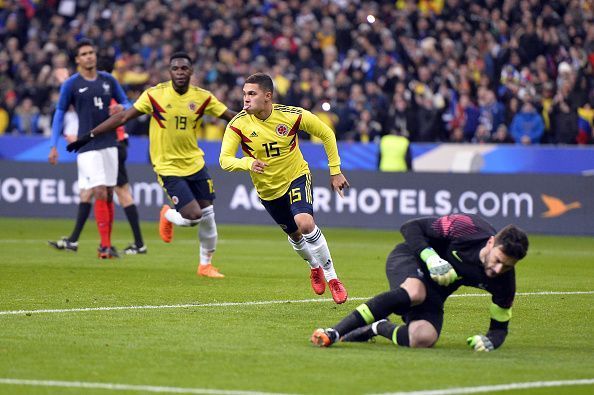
x: 439, y: 254
x: 267, y: 134
x: 177, y: 110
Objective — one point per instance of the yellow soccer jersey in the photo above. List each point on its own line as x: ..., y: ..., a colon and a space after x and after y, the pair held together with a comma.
x: 174, y: 126
x: 275, y: 142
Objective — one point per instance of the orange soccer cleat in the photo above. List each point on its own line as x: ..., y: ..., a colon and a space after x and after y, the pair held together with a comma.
x: 317, y: 280
x: 324, y: 337
x: 165, y: 227
x: 339, y: 293
x: 209, y: 271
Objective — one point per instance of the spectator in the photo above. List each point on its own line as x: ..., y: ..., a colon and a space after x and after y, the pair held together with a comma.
x: 527, y: 127
x: 26, y: 117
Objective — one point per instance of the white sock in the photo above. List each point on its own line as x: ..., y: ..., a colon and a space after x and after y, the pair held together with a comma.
x: 302, y: 249
x: 175, y: 217
x: 207, y: 233
x: 319, y: 250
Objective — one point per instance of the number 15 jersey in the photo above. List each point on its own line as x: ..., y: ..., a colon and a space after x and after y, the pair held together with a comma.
x: 274, y: 141
x: 173, y: 130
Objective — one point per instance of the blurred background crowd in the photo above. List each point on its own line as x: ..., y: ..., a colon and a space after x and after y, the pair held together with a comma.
x: 502, y: 71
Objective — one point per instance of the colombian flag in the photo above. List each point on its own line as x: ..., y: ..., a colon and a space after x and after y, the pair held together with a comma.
x: 585, y: 120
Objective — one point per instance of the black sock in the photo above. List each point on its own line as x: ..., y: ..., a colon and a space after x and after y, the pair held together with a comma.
x: 84, y: 209
x: 350, y: 322
x: 387, y: 328
x: 395, y: 301
x: 379, y: 307
x: 132, y: 215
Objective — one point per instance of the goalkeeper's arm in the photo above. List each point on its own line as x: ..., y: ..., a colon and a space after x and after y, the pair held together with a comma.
x: 497, y: 330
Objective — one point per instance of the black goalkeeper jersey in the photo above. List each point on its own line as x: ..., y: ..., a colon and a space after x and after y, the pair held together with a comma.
x: 458, y: 238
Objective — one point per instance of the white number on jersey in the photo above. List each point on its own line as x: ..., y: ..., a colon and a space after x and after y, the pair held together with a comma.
x: 98, y: 102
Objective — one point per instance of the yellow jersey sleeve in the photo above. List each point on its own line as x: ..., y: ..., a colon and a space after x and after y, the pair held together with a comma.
x: 231, y: 142
x: 215, y: 107
x: 143, y: 103
x: 314, y: 126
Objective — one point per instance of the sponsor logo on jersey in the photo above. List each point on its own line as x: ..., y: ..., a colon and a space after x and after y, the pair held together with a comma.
x: 282, y: 130
x: 83, y: 90
x: 455, y: 254
x: 254, y: 134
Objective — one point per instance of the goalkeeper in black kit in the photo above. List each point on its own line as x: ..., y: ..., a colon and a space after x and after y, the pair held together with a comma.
x: 438, y: 255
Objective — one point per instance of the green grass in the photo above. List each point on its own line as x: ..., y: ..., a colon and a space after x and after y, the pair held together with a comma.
x: 265, y: 347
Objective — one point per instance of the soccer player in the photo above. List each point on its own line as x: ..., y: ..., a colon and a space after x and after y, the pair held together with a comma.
x: 267, y: 133
x: 91, y: 91
x: 122, y: 190
x: 438, y: 255
x: 177, y: 110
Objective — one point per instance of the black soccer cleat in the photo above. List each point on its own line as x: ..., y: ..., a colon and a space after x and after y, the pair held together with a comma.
x: 362, y: 334
x: 64, y: 244
x: 107, y: 252
x: 132, y: 249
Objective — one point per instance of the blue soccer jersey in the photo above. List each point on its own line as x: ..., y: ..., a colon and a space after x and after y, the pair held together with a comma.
x: 91, y: 99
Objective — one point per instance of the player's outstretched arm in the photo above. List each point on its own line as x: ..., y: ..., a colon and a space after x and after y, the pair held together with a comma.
x: 500, y: 317
x: 108, y: 125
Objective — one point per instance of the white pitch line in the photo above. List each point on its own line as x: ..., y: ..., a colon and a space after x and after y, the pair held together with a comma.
x: 494, y: 388
x: 255, y: 303
x: 129, y: 387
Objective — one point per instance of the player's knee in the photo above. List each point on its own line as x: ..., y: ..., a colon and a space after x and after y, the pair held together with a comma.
x: 193, y: 215
x: 305, y: 223
x: 416, y: 290
x: 422, y: 335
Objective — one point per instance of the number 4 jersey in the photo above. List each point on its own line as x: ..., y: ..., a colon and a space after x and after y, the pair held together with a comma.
x: 174, y: 126
x: 274, y: 141
x: 91, y: 99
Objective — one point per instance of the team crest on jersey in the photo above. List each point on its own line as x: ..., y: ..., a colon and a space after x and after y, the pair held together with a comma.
x: 192, y: 106
x: 282, y: 130
x: 106, y: 88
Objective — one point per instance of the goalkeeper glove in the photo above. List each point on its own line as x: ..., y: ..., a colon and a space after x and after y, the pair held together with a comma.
x: 480, y: 343
x: 81, y: 142
x: 440, y: 270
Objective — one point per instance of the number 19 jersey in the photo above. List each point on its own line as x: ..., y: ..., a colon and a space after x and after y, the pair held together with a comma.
x: 173, y: 129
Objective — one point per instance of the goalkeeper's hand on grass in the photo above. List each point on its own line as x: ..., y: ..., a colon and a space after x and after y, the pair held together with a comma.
x: 441, y: 271
x: 81, y: 142
x: 480, y: 343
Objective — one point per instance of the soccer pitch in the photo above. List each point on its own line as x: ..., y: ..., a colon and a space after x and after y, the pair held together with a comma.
x: 71, y: 324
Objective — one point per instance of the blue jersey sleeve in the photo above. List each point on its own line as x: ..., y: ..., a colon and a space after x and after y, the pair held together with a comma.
x: 119, y: 93
x: 61, y: 108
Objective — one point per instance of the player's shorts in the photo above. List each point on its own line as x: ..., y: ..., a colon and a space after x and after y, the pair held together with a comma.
x: 298, y: 199
x: 122, y: 156
x: 182, y: 190
x: 402, y: 263
x: 97, y: 168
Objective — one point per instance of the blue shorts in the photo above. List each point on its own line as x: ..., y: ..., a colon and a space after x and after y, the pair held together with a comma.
x: 298, y: 199
x: 182, y: 190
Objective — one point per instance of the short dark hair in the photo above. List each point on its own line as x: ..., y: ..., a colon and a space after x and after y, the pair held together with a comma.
x: 85, y: 42
x: 262, y: 80
x: 513, y: 242
x: 180, y: 55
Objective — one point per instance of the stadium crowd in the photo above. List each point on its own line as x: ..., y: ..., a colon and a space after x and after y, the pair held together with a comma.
x: 499, y: 71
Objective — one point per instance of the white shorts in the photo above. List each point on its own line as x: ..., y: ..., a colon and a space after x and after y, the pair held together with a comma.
x: 97, y: 168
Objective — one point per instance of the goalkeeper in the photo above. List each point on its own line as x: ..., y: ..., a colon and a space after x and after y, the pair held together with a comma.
x: 439, y: 254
